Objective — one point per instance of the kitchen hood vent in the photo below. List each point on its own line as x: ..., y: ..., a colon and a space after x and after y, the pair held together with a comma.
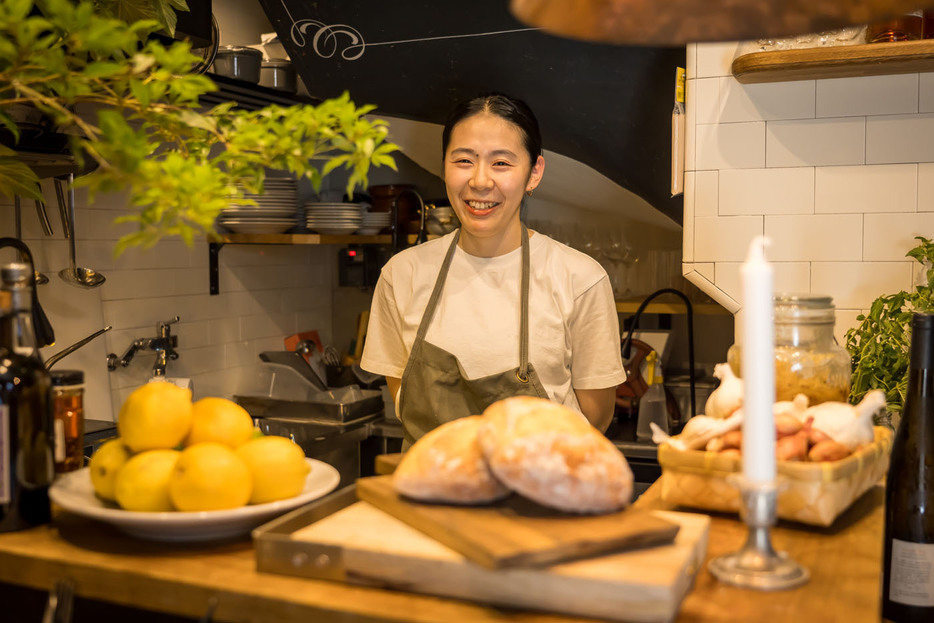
x: 608, y: 107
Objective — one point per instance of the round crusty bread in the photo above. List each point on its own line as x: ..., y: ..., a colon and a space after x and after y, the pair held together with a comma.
x: 447, y: 465
x: 552, y: 455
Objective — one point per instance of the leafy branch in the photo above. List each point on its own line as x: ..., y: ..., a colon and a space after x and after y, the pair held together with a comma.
x: 880, y: 344
x: 130, y: 106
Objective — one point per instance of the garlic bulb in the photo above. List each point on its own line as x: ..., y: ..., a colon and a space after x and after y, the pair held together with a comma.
x: 794, y: 408
x: 846, y: 424
x: 728, y: 396
x: 699, y: 430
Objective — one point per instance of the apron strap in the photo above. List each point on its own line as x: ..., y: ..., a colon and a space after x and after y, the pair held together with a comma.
x: 523, y: 371
x: 435, y: 296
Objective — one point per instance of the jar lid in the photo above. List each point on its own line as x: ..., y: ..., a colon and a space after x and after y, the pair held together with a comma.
x: 238, y: 49
x: 61, y: 378
x: 803, y: 307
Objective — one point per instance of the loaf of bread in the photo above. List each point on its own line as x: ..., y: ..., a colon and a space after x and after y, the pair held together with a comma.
x: 447, y: 465
x: 552, y: 455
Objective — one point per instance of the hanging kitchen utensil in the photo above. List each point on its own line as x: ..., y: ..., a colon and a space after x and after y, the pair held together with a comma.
x: 75, y: 275
x: 51, y: 361
x: 40, y: 279
x: 45, y: 336
x: 43, y: 218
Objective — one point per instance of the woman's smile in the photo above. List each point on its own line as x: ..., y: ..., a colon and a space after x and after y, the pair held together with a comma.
x: 481, y: 208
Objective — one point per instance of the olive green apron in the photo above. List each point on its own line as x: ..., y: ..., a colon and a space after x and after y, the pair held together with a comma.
x: 434, y: 388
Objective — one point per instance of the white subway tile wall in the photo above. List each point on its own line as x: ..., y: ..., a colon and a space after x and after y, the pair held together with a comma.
x: 766, y: 191
x: 730, y: 146
x: 925, y: 187
x: 839, y: 173
x: 872, y: 95
x: 900, y: 138
x: 810, y: 142
x: 763, y: 102
x: 266, y: 293
x: 876, y: 188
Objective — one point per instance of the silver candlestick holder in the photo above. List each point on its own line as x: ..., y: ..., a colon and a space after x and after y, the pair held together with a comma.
x: 757, y: 565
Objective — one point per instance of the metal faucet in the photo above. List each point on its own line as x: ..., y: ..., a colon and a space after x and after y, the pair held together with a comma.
x: 164, y: 345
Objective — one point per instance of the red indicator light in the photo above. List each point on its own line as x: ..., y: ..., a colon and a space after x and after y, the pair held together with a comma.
x: 351, y: 253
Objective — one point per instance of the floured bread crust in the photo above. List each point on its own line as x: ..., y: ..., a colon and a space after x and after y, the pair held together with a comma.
x: 447, y: 465
x: 552, y: 455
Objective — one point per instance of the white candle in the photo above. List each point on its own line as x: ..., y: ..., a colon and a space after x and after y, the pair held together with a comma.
x: 758, y: 366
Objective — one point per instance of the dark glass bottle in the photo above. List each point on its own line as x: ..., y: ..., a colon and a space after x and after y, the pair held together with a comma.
x: 908, y: 562
x: 26, y: 421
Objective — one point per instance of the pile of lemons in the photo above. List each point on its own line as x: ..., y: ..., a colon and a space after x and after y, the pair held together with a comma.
x: 172, y: 454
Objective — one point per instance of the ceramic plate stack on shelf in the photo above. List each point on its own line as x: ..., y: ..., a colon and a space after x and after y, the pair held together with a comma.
x: 374, y: 222
x: 274, y: 213
x: 333, y: 219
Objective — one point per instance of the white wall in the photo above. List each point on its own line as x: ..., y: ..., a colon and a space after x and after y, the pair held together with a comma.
x: 266, y: 293
x: 839, y: 173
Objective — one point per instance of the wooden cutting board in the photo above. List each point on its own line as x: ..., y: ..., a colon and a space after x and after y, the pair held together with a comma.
x: 517, y: 532
x: 365, y: 545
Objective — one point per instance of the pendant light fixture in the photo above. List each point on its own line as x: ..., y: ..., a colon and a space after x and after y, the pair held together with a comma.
x: 663, y: 23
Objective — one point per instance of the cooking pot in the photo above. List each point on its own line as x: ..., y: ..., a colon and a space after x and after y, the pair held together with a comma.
x: 278, y: 74
x: 238, y: 62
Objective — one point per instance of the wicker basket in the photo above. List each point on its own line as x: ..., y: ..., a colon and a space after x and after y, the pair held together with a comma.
x: 813, y: 493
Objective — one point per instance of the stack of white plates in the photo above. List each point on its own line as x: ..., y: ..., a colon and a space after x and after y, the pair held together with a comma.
x: 333, y: 219
x: 374, y: 222
x: 274, y: 213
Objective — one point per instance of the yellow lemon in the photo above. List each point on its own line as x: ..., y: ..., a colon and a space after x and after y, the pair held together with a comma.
x: 220, y: 420
x: 142, y: 484
x: 156, y: 415
x: 210, y: 476
x: 278, y: 465
x: 104, y: 465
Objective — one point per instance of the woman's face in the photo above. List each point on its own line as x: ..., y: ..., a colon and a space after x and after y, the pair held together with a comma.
x: 487, y: 171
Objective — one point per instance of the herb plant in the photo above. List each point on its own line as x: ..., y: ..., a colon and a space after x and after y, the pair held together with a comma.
x: 880, y: 344
x: 131, y: 105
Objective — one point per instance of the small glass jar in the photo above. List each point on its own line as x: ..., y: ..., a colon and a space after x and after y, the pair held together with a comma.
x: 68, y: 410
x: 808, y: 359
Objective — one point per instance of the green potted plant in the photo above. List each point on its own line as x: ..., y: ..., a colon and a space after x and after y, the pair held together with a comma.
x: 129, y: 106
x: 879, y: 345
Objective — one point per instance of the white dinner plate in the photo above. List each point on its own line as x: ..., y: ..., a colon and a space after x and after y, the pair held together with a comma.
x: 74, y: 493
x: 242, y: 226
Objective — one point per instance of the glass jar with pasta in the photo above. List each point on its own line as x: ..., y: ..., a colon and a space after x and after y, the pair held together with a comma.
x: 808, y: 359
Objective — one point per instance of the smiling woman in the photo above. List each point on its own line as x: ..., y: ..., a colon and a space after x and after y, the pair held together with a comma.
x: 449, y: 352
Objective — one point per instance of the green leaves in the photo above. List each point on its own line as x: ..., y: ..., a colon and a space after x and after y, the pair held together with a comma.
x: 879, y: 345
x: 180, y: 163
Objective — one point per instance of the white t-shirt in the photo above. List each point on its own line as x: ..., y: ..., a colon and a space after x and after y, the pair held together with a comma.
x: 573, y: 327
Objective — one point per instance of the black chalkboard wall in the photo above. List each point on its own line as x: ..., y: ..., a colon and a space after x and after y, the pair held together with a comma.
x: 606, y: 106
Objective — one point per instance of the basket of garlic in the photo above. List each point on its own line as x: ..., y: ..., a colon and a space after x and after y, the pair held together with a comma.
x: 827, y: 454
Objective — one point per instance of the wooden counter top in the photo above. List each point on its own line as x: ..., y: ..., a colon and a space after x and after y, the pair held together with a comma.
x: 181, y: 578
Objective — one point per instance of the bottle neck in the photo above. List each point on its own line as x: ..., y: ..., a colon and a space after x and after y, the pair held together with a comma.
x: 17, y: 334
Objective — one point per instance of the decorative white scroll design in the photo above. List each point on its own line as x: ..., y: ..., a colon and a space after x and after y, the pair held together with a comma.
x: 326, y: 43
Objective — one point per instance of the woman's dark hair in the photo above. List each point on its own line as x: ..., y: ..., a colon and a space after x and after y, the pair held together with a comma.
x: 511, y: 109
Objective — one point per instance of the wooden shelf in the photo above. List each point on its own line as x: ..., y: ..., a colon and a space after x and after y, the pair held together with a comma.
x: 630, y: 306
x: 301, y: 239
x: 848, y: 61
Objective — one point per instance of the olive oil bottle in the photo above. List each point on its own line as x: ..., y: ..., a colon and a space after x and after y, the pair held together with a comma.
x: 908, y: 562
x: 26, y: 420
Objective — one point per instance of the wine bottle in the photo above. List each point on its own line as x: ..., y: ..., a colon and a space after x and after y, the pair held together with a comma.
x: 908, y: 563
x: 26, y: 419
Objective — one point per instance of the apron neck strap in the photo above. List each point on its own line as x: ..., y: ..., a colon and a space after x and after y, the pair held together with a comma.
x: 524, y: 302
